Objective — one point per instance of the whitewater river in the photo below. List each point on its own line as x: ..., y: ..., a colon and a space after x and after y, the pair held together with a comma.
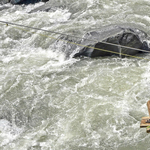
x: 48, y: 102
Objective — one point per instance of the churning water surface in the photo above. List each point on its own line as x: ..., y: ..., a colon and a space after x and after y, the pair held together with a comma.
x: 48, y: 102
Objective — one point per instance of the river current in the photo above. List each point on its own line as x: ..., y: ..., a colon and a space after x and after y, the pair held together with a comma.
x: 48, y: 102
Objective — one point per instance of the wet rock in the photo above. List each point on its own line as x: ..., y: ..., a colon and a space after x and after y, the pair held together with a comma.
x: 26, y: 2
x: 107, y: 41
x: 19, y: 2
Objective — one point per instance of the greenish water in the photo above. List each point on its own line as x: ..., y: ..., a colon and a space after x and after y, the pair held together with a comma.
x: 50, y: 103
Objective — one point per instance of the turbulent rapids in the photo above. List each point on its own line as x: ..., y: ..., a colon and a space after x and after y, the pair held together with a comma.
x: 48, y: 102
x: 106, y: 41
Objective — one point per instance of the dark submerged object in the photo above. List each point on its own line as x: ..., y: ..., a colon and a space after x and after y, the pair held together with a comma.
x: 125, y: 36
x: 26, y: 2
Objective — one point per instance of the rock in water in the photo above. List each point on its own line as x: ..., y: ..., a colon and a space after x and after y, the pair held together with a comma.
x: 99, y: 43
x: 26, y: 2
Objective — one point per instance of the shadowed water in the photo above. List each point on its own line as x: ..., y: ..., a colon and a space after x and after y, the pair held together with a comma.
x: 48, y: 102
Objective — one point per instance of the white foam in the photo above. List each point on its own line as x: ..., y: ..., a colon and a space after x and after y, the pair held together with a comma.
x: 8, y: 132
